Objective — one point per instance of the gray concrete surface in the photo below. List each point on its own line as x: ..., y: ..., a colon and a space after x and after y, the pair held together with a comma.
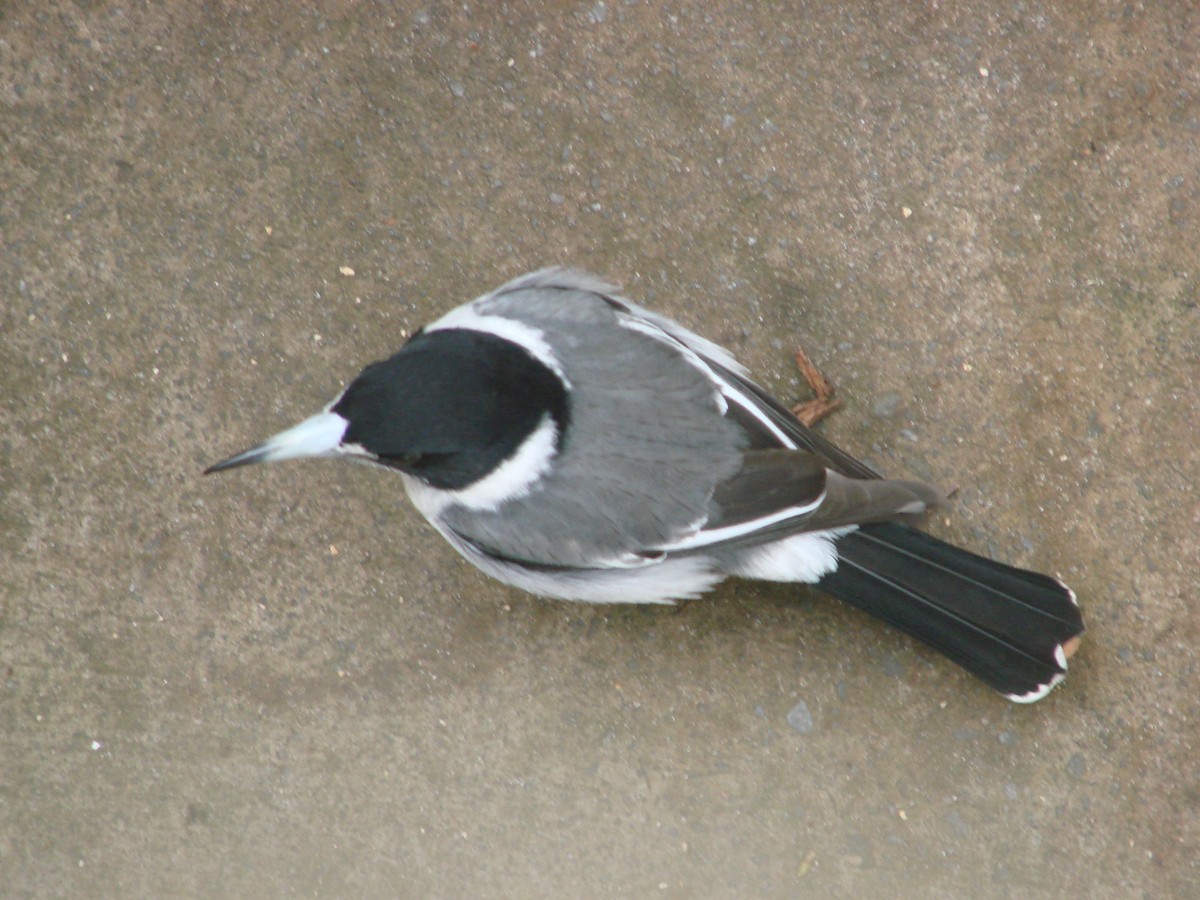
x: 983, y: 222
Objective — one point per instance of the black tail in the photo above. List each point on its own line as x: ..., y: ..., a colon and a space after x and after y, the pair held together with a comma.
x: 1012, y: 628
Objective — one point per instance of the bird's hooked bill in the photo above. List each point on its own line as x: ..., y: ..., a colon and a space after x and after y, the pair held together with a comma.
x: 318, y: 435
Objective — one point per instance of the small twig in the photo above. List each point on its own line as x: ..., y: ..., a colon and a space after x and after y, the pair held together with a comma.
x: 813, y: 411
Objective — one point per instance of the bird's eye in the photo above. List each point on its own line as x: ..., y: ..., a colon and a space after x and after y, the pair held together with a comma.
x: 402, y: 460
x: 413, y: 461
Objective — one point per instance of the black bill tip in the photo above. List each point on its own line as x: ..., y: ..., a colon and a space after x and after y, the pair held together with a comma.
x: 245, y: 458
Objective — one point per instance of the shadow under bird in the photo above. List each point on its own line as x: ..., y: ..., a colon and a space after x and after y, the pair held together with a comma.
x: 574, y: 445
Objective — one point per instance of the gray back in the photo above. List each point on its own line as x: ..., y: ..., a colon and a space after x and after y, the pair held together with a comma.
x: 645, y: 447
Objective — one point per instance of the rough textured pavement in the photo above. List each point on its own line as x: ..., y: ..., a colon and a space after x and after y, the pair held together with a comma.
x: 983, y: 223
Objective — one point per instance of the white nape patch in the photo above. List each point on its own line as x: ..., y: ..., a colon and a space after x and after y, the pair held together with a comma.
x: 517, y: 475
x: 650, y: 329
x: 525, y: 336
x: 801, y: 557
x: 428, y: 500
x: 512, y: 479
x: 319, y: 435
x: 710, y: 536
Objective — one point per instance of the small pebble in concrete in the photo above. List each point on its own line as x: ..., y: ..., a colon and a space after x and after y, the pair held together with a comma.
x: 957, y: 823
x: 886, y: 405
x: 1076, y: 765
x: 800, y: 718
x: 892, y: 667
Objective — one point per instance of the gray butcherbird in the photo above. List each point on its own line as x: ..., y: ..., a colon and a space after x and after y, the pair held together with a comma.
x: 572, y: 444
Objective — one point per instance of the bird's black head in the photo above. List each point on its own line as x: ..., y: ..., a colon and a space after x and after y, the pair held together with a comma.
x: 451, y: 406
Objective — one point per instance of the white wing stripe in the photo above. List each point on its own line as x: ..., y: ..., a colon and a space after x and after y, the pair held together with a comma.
x: 650, y: 329
x: 751, y: 405
x: 728, y: 390
x: 705, y: 537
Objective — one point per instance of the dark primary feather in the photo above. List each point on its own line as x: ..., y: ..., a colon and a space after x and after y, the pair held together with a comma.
x: 839, y: 460
x: 771, y: 481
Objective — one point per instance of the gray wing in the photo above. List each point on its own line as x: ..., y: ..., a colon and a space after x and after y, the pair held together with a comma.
x: 645, y: 448
x: 781, y: 492
x: 670, y: 450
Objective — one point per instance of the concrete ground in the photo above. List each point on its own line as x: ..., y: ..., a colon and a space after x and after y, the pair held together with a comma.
x: 983, y: 220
